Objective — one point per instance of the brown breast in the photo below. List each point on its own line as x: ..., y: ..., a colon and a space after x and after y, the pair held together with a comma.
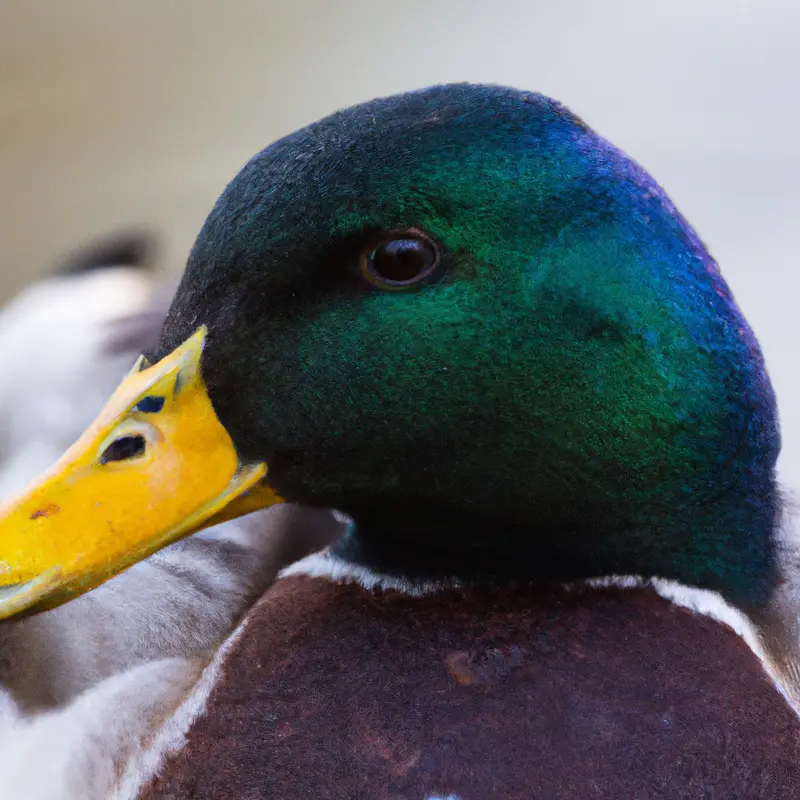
x: 335, y: 692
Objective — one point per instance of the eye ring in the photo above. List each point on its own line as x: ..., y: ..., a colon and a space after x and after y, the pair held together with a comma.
x: 399, y: 259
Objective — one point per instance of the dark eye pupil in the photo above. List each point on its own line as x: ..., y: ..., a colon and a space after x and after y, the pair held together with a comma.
x: 123, y: 448
x: 402, y: 260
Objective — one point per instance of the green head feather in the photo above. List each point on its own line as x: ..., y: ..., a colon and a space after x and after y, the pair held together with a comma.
x: 574, y: 391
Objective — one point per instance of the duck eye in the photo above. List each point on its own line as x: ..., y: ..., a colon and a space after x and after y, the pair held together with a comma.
x: 399, y: 260
x: 123, y: 449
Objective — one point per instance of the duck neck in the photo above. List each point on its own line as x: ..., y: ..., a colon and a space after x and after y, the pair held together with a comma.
x: 721, y: 546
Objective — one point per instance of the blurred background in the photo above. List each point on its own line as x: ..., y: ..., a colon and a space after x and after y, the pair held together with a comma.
x: 136, y: 113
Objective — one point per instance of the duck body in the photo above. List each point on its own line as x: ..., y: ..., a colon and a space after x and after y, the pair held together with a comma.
x: 333, y: 690
x: 471, y: 324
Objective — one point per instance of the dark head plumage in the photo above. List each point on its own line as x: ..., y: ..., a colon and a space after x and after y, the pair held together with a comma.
x: 571, y: 392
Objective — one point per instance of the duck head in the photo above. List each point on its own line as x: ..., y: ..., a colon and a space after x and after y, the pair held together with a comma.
x: 466, y: 320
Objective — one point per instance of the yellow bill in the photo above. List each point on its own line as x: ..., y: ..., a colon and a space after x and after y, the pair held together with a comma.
x: 156, y: 465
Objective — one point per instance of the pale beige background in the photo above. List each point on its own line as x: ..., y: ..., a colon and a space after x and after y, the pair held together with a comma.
x: 139, y: 111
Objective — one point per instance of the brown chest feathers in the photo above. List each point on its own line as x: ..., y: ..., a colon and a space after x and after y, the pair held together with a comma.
x: 336, y: 692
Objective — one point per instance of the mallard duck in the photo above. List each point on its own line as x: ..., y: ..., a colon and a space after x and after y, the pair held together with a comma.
x: 486, y: 335
x: 86, y: 683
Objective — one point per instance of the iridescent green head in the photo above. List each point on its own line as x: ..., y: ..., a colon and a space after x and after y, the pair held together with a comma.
x: 468, y: 321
